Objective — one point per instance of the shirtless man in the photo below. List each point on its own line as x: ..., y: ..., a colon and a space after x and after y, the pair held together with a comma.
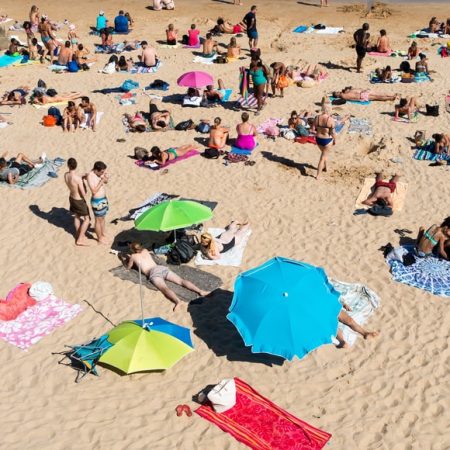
x: 158, y: 275
x: 383, y: 45
x: 66, y: 54
x: 48, y: 39
x: 383, y: 190
x: 210, y: 46
x: 361, y: 38
x: 97, y: 178
x: 148, y: 57
x: 11, y: 169
x: 78, y: 203
x: 90, y: 109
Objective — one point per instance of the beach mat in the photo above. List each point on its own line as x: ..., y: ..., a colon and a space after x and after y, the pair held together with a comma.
x: 38, y: 321
x: 360, y: 126
x: 204, y: 280
x: 141, y: 69
x: 48, y: 105
x: 422, y: 154
x: 300, y: 29
x: 6, y: 60
x: 398, y: 196
x: 362, y: 301
x: 37, y: 177
x: 232, y: 257
x: 204, y: 60
x: 87, y: 116
x: 356, y: 102
x: 262, y: 425
x: 192, y: 46
x: 188, y: 155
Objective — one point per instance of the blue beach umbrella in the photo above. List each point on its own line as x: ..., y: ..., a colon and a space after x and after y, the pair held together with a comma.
x: 177, y: 331
x: 285, y: 307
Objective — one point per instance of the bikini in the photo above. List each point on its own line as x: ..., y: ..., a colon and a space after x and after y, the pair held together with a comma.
x: 431, y: 238
x: 173, y: 152
x: 324, y: 142
x: 391, y: 185
x: 228, y: 245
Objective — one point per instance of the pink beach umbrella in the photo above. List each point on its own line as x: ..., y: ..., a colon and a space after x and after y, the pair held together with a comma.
x: 195, y: 79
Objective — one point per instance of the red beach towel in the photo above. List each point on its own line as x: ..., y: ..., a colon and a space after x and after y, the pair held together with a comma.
x: 261, y: 425
x: 16, y: 302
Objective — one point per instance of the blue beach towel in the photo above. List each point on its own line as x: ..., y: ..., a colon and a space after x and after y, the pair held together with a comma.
x: 353, y: 101
x: 6, y: 60
x: 300, y: 29
x: 239, y: 151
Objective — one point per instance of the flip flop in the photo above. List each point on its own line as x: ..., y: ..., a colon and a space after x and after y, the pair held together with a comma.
x: 179, y: 410
x: 187, y: 410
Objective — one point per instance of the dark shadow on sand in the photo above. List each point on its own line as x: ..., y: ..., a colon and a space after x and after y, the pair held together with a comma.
x: 59, y: 217
x: 301, y: 167
x: 316, y: 5
x: 334, y: 66
x: 211, y: 325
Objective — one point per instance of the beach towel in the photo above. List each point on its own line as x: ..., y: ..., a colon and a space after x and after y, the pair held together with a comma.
x: 262, y: 425
x: 37, y: 177
x: 421, y: 77
x: 141, y: 69
x: 389, y: 53
x: 430, y: 274
x: 267, y: 124
x: 362, y: 301
x: 232, y: 257
x: 240, y: 151
x: 405, y: 119
x: 87, y: 117
x: 427, y: 154
x: 360, y: 126
x: 155, y: 166
x: 373, y: 78
x: 326, y: 30
x: 193, y: 46
x: 248, y: 102
x: 203, y: 60
x: 48, y: 105
x: 126, y: 99
x: 57, y: 68
x: 108, y: 49
x: 357, y: 102
x: 153, y: 200
x: 398, y: 197
x: 169, y: 46
x: 226, y: 94
x: 38, y: 321
x: 6, y: 60
x: 300, y: 29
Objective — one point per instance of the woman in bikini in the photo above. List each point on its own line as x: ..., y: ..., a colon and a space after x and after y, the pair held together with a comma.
x: 73, y: 117
x: 15, y: 97
x: 442, y: 143
x: 35, y: 17
x: 136, y: 123
x: 363, y: 95
x: 213, y: 248
x: 159, y: 120
x: 432, y: 242
x: 406, y: 107
x: 422, y: 64
x: 162, y: 157
x: 218, y: 135
x: 246, y: 139
x: 324, y: 126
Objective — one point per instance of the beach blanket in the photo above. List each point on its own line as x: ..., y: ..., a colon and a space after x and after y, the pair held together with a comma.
x: 37, y: 322
x: 373, y: 78
x: 126, y: 99
x: 326, y: 30
x: 39, y: 176
x: 6, y: 60
x: 360, y: 126
x: 357, y: 102
x: 141, y: 69
x: 57, y: 68
x: 248, y: 102
x: 115, y: 48
x: 430, y: 274
x: 424, y: 33
x: 169, y: 46
x: 398, y: 197
x: 389, y: 53
x: 155, y: 166
x: 87, y: 117
x: 362, y: 301
x: 427, y: 154
x: 422, y: 77
x: 193, y: 46
x: 240, y: 151
x: 232, y: 257
x: 267, y: 124
x: 203, y: 60
x: 262, y: 425
x: 153, y: 200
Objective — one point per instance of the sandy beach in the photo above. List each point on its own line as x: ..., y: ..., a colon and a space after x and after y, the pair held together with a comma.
x: 392, y: 392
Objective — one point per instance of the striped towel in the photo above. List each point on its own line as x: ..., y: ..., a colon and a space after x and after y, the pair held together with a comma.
x: 425, y: 155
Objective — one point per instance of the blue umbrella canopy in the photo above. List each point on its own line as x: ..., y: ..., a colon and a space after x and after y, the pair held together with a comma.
x: 285, y: 307
x: 177, y: 331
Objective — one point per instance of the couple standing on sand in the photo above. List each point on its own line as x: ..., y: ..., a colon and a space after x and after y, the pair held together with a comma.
x: 96, y: 179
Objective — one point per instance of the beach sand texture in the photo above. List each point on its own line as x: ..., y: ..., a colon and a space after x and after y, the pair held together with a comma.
x: 389, y: 393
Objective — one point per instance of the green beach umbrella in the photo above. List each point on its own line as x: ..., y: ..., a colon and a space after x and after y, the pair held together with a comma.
x: 173, y: 215
x: 138, y: 349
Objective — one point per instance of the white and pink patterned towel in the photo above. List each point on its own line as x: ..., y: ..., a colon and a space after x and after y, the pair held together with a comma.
x: 37, y: 322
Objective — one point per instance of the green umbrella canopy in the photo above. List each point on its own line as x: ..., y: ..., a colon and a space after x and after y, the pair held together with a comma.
x: 172, y: 215
x: 136, y: 349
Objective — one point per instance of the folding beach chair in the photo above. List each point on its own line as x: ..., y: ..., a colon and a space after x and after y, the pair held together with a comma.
x: 83, y: 358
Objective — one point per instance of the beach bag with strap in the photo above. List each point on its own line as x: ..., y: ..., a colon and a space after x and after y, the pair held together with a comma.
x: 203, y: 127
x: 140, y: 153
x: 432, y: 110
x: 182, y: 252
x: 49, y: 121
x: 56, y: 113
x: 282, y: 82
x: 211, y: 153
x: 223, y: 395
x: 185, y: 125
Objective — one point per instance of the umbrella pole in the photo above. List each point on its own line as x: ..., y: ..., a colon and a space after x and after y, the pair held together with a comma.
x: 140, y: 295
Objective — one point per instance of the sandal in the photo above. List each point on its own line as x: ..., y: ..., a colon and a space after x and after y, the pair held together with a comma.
x: 179, y: 410
x: 187, y: 410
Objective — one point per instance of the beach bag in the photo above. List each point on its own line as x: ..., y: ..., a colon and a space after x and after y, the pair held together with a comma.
x: 309, y: 83
x: 129, y: 85
x: 211, y: 153
x: 223, y: 395
x: 72, y: 66
x: 49, y: 121
x: 41, y: 84
x: 140, y: 153
x: 432, y: 110
x: 282, y: 82
x: 272, y: 131
x: 185, y: 39
x: 289, y: 134
x: 56, y: 113
x: 185, y: 125
x: 182, y: 252
x: 203, y: 127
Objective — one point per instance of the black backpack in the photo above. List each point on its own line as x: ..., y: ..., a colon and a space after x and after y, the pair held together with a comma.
x: 182, y: 252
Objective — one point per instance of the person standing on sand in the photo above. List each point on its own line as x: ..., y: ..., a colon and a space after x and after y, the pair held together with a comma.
x: 77, y: 201
x: 361, y: 38
x: 97, y: 178
x: 250, y: 22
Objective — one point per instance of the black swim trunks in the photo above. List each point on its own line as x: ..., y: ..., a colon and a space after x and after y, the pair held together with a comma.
x: 361, y: 51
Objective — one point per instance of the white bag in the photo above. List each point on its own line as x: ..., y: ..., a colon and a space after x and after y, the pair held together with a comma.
x: 223, y: 395
x: 40, y: 290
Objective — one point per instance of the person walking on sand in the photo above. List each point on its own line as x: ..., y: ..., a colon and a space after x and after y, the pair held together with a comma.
x: 77, y: 201
x: 361, y: 38
x: 158, y: 275
x: 97, y: 178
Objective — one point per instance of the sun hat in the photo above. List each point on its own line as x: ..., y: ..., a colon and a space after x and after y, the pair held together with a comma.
x: 101, y: 13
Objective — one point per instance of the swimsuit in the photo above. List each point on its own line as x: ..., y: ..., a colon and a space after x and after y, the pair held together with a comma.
x: 45, y: 39
x: 173, y: 152
x: 209, y: 55
x: 391, y: 185
x: 237, y: 29
x: 258, y: 77
x: 79, y: 207
x: 245, y: 141
x: 228, y: 245
x: 364, y: 96
x: 323, y: 142
x: 158, y: 272
x: 100, y: 206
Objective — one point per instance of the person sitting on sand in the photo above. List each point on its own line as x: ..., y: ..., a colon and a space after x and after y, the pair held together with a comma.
x: 34, y: 49
x: 136, y: 122
x: 72, y: 117
x: 87, y: 107
x: 15, y: 97
x: 442, y: 143
x: 130, y: 21
x: 413, y: 51
x: 382, y: 191
x: 295, y: 121
x: 383, y: 45
x: 148, y: 58
x: 193, y: 36
x: 121, y: 23
x: 158, y: 275
x: 13, y: 48
x: 384, y: 74
x: 406, y: 107
x: 447, y: 27
x: 162, y: 157
x: 171, y: 35
x: 218, y: 135
x: 210, y: 47
x: 278, y: 78
x: 12, y: 169
x: 43, y: 99
x: 233, y: 49
x: 65, y: 54
x: 214, y: 247
x: 226, y: 27
x: 362, y: 95
x: 101, y: 21
x: 432, y: 242
x: 246, y: 131
x: 422, y: 64
x: 434, y: 25
x: 124, y: 64
x: 80, y: 55
x: 107, y: 39
x: 159, y: 120
x: 211, y: 95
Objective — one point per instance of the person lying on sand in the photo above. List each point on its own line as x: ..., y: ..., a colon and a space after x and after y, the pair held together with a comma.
x: 136, y: 122
x: 158, y: 275
x: 210, y: 47
x: 159, y: 120
x: 218, y: 135
x: 384, y: 74
x: 12, y: 169
x: 382, y: 190
x: 162, y: 157
x: 344, y: 318
x: 432, y: 242
x: 225, y: 26
x: 363, y: 95
x: 406, y: 107
x: 16, y: 96
x: 42, y: 99
x: 73, y: 117
x: 212, y: 248
x: 442, y: 143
